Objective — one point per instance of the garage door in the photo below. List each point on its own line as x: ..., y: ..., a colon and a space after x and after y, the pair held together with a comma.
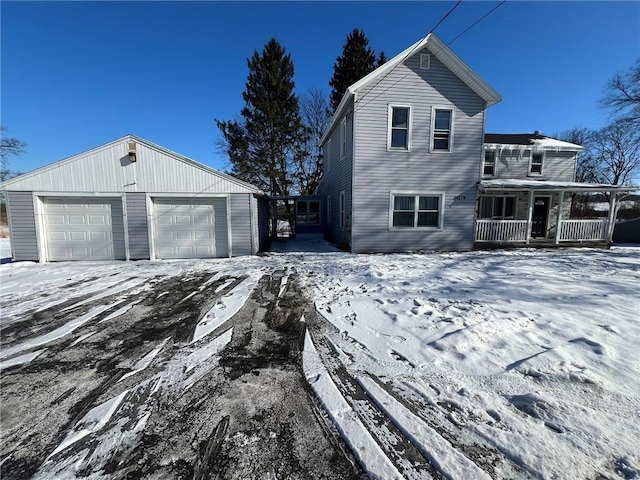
x: 190, y: 228
x: 84, y: 229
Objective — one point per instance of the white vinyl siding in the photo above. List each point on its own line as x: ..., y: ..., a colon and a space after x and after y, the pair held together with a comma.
x: 399, y: 127
x: 343, y: 138
x: 342, y: 211
x: 415, y: 210
x: 441, y: 129
x: 327, y: 155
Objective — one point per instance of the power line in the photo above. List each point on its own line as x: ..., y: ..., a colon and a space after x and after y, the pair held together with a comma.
x: 359, y: 106
x: 413, y: 49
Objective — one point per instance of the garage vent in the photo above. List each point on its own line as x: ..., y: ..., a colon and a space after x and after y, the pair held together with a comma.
x: 131, y: 146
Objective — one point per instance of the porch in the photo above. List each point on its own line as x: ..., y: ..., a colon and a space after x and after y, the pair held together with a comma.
x: 539, y: 213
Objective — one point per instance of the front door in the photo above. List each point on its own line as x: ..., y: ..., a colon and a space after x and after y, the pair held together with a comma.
x: 540, y: 215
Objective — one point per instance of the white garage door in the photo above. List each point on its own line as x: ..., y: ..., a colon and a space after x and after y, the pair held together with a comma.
x: 187, y: 228
x: 84, y: 228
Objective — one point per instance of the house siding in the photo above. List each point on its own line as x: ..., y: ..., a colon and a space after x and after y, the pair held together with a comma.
x: 108, y: 169
x: 21, y: 217
x: 338, y: 178
x: 137, y: 226
x: 514, y: 163
x: 240, y: 208
x: 379, y: 172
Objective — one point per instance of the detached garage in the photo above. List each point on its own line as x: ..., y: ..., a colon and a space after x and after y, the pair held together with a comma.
x: 131, y: 200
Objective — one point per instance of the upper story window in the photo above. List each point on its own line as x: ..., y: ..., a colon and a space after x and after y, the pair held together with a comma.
x: 489, y: 166
x: 399, y: 130
x: 441, y: 129
x: 416, y: 210
x: 343, y: 138
x: 308, y: 212
x: 535, y: 165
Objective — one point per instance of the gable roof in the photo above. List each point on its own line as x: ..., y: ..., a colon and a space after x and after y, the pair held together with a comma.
x: 244, y: 186
x: 439, y: 50
x: 535, y: 140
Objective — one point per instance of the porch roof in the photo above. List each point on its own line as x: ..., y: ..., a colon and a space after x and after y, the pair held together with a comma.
x: 546, y: 185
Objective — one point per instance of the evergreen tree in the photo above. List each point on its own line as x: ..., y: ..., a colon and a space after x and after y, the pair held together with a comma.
x: 356, y: 61
x: 265, y: 142
x: 382, y: 59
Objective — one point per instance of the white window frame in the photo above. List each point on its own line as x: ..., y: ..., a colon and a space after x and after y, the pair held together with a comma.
x: 504, y: 205
x: 542, y: 155
x: 343, y: 138
x: 343, y: 211
x: 389, y: 127
x: 484, y: 160
x: 395, y: 193
x: 306, y: 221
x: 433, y: 126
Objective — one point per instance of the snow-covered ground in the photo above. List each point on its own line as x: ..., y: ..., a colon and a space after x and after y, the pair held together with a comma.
x: 503, y: 364
x: 5, y: 248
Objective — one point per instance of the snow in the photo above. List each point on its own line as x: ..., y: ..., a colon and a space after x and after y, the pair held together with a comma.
x: 551, y: 185
x: 94, y: 420
x: 225, y: 308
x: 533, y: 352
x: 5, y: 248
x: 365, y: 449
x: 145, y: 361
x: 21, y: 359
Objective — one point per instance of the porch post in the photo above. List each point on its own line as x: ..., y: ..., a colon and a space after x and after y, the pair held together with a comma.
x: 559, y: 217
x: 612, y: 217
x: 530, y: 216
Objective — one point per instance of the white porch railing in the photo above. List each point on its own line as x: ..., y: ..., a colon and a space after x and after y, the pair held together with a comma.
x: 577, y: 230
x: 501, y: 230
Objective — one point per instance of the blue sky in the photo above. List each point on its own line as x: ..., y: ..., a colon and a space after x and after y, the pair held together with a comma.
x: 76, y: 75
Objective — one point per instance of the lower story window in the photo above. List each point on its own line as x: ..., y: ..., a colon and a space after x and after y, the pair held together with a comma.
x: 416, y: 211
x: 497, y: 208
x: 308, y: 212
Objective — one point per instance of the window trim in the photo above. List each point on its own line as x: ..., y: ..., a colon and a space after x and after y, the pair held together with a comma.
x: 343, y: 138
x: 343, y: 211
x: 543, y: 156
x: 484, y: 163
x: 399, y: 193
x: 425, y: 61
x: 390, y: 108
x: 433, y: 125
x: 504, y: 205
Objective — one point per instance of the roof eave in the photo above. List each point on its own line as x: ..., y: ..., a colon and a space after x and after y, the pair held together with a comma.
x: 338, y: 114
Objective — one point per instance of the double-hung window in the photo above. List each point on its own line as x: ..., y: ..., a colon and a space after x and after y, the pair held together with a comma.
x: 489, y: 166
x: 441, y: 129
x: 416, y: 210
x: 399, y: 129
x: 535, y: 165
x: 497, y: 208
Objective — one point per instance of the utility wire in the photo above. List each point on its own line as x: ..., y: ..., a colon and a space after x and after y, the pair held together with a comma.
x: 413, y: 49
x: 359, y: 105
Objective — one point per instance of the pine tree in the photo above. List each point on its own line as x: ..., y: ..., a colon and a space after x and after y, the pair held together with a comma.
x: 356, y: 61
x: 382, y: 59
x: 263, y: 144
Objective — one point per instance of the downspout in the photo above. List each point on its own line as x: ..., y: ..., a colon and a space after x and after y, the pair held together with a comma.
x: 353, y: 167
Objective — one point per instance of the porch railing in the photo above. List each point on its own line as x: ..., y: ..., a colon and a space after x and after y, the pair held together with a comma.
x: 501, y: 230
x: 576, y: 230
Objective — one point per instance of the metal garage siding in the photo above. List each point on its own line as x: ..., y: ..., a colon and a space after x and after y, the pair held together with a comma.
x: 137, y: 226
x: 22, y: 226
x: 240, y: 207
x: 222, y: 234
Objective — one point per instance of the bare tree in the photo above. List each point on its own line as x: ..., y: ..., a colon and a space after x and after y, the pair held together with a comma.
x: 616, y: 149
x: 622, y: 94
x: 316, y: 114
x: 8, y: 147
x: 586, y: 169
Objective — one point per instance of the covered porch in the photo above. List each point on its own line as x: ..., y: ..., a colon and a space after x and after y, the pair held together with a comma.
x: 539, y: 213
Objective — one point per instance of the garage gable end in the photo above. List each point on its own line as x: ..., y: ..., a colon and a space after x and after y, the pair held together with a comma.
x: 129, y: 164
